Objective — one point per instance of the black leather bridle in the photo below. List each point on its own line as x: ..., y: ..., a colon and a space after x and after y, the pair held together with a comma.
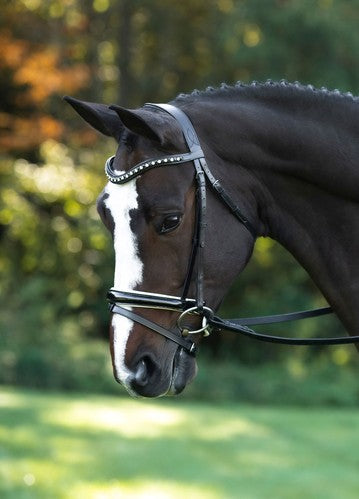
x: 121, y: 302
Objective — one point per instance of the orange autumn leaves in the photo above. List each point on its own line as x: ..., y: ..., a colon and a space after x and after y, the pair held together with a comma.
x: 34, y: 73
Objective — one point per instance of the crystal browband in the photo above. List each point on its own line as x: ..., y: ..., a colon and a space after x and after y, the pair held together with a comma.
x: 149, y: 164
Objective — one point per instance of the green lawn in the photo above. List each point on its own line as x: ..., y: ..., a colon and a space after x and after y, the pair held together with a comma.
x: 80, y: 446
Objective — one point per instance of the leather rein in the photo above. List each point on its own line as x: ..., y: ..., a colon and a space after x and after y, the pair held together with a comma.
x: 121, y: 302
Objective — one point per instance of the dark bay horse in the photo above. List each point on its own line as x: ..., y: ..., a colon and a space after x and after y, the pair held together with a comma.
x: 287, y: 154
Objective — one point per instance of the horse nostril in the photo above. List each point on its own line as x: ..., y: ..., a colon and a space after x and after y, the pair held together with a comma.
x: 143, y: 372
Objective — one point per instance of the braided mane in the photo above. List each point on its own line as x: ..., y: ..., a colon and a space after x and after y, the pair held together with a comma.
x: 247, y: 88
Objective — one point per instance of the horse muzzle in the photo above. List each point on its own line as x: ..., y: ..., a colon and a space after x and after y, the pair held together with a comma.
x: 150, y: 379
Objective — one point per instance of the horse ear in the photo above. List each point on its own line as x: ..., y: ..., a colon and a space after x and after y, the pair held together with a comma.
x: 99, y: 116
x: 143, y: 122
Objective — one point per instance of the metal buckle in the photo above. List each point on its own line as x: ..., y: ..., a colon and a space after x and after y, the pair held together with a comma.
x: 205, y: 325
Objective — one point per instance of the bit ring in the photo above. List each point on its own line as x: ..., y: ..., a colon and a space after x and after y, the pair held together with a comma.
x: 193, y: 310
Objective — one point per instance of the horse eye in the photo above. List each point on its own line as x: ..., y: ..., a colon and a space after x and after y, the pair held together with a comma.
x: 171, y: 222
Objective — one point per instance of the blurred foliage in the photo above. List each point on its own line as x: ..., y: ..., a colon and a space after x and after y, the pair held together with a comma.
x: 56, y: 260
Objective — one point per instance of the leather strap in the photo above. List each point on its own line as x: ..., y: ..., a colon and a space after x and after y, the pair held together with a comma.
x: 149, y: 300
x: 227, y: 200
x: 229, y: 325
x: 194, y: 250
x: 194, y: 146
x: 186, y: 344
x: 275, y: 319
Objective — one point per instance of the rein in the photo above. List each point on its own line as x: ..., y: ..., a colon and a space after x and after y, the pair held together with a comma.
x: 121, y: 302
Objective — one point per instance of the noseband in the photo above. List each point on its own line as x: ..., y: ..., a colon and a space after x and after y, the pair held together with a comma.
x: 121, y: 302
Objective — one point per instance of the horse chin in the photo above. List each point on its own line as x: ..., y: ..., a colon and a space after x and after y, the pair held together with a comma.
x: 184, y: 369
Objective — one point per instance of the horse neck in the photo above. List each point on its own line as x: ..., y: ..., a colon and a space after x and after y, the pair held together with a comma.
x: 302, y: 166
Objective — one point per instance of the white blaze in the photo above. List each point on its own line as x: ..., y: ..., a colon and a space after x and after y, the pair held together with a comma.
x: 128, y: 268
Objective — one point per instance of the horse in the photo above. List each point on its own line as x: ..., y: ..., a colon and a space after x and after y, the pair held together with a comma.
x: 280, y: 158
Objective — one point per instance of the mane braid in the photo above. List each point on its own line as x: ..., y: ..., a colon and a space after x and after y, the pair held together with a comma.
x: 232, y: 90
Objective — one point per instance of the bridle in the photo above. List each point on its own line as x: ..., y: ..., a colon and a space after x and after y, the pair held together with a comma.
x: 121, y: 302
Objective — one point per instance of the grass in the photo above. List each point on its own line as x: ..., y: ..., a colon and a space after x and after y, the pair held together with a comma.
x: 86, y: 446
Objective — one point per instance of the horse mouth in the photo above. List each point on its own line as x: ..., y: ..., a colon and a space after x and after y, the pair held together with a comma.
x: 184, y: 369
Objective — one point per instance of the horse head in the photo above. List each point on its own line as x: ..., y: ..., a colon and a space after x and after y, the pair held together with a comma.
x: 152, y: 218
